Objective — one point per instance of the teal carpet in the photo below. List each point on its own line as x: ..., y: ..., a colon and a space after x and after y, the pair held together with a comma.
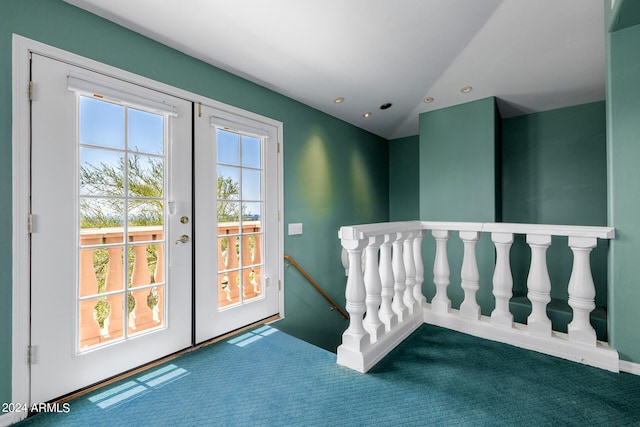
x: 436, y: 377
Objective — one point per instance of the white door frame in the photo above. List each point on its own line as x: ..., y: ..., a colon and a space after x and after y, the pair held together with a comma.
x: 21, y: 48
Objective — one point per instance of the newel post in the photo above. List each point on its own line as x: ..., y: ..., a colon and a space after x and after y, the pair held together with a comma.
x: 355, y: 338
x: 582, y: 291
x: 539, y: 285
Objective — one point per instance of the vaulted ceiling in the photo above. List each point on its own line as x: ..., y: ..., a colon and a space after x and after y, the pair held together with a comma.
x: 533, y: 55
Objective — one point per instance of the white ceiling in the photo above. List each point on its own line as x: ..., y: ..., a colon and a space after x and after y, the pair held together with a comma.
x: 533, y: 55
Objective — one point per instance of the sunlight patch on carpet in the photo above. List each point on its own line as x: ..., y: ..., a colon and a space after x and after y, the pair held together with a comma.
x: 130, y: 390
x: 253, y: 336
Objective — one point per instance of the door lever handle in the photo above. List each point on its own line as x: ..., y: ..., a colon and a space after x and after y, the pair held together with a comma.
x: 183, y: 239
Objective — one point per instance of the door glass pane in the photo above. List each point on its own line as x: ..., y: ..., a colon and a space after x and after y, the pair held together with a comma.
x: 252, y: 212
x: 251, y: 152
x: 101, y: 123
x: 250, y: 184
x: 100, y: 320
x: 228, y: 217
x: 145, y: 220
x: 239, y: 205
x: 123, y: 260
x: 252, y: 283
x: 228, y: 149
x: 146, y: 176
x: 145, y: 133
x: 228, y: 185
x: 144, y: 309
x: 228, y: 291
x: 101, y: 172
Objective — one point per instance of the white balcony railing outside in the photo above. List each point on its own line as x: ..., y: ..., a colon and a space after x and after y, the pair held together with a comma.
x: 384, y: 297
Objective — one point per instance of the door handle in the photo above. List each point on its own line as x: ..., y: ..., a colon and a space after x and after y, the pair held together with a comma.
x: 183, y: 239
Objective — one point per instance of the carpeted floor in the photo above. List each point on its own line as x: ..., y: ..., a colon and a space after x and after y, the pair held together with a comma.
x: 436, y: 377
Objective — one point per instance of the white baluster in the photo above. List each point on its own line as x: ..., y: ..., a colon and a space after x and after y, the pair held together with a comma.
x: 470, y: 276
x: 410, y: 271
x: 417, y: 256
x: 502, y: 280
x: 441, y: 272
x: 399, y: 277
x: 387, y: 315
x: 582, y: 291
x: 539, y: 285
x: 355, y: 338
x: 373, y: 286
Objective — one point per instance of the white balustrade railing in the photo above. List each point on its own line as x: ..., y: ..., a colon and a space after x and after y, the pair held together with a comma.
x: 384, y: 264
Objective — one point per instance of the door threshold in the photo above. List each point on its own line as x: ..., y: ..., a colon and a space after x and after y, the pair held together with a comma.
x: 153, y: 364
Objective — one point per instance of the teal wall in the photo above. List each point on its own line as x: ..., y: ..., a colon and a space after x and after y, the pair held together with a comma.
x: 623, y: 147
x: 459, y: 181
x: 554, y: 171
x: 404, y: 178
x: 334, y: 173
x: 626, y: 13
x: 543, y: 168
x: 457, y: 162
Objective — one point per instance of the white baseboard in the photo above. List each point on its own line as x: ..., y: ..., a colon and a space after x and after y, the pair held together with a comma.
x: 629, y: 367
x: 10, y: 418
x: 557, y: 344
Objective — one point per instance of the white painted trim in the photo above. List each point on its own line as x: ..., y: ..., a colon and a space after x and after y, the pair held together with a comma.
x: 629, y: 367
x: 20, y: 331
x: 11, y: 418
x: 280, y: 178
x: 22, y: 46
x: 558, y: 344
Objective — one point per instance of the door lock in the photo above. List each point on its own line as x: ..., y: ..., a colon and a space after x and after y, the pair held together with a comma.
x: 183, y: 239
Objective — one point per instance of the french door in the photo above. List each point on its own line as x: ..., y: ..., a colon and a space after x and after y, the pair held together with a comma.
x: 123, y: 270
x: 111, y: 278
x: 237, y: 247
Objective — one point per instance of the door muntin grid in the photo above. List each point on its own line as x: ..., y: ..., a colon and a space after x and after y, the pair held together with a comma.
x: 122, y: 215
x: 240, y: 207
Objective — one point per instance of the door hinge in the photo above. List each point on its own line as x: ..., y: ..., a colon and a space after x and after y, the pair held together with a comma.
x: 29, y: 355
x: 279, y: 285
x: 278, y: 215
x: 278, y: 148
x: 30, y: 223
x: 30, y: 90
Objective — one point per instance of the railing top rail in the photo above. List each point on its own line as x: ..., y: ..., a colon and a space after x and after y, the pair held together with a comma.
x: 554, y: 230
x: 358, y: 232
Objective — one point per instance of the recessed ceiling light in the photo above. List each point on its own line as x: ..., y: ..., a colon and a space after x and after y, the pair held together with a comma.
x: 386, y: 106
x: 466, y: 89
x: 339, y: 100
x: 428, y: 100
x: 365, y: 115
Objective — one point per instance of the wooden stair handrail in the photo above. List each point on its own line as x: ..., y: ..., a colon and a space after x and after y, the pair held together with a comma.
x: 315, y: 285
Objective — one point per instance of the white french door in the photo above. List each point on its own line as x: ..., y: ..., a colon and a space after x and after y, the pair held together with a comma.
x: 114, y: 231
x: 238, y: 257
x: 111, y: 275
